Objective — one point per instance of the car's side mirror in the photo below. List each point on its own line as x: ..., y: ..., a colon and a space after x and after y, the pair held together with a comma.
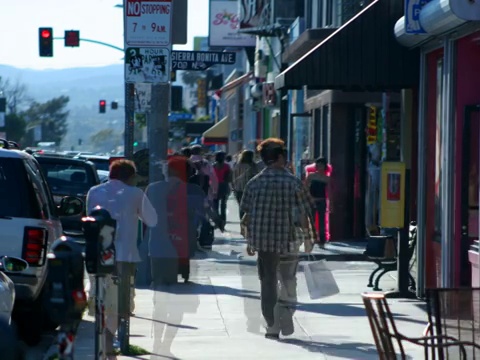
x: 70, y: 206
x: 11, y: 264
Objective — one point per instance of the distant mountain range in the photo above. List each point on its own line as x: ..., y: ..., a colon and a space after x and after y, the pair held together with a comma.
x: 81, y: 84
x: 85, y: 87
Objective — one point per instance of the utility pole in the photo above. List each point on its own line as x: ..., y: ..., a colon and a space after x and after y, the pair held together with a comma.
x: 129, y: 119
x: 157, y: 122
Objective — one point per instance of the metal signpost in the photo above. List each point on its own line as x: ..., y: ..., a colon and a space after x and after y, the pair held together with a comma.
x: 201, y: 60
x: 147, y: 31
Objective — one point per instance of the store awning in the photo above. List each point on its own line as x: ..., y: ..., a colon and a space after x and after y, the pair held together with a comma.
x: 197, y: 128
x: 362, y: 55
x: 217, y: 134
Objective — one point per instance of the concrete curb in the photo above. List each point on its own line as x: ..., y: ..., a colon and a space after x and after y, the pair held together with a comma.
x: 334, y: 257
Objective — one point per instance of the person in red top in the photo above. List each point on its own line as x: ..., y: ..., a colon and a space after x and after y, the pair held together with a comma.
x: 324, y: 222
x: 223, y: 172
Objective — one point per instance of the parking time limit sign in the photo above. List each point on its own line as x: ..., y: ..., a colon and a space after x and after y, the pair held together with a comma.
x: 148, y: 22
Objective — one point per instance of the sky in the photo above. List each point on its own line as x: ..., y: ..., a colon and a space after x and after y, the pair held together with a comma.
x: 97, y: 20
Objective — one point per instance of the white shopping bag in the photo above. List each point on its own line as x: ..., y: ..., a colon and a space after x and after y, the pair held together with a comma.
x: 320, y: 280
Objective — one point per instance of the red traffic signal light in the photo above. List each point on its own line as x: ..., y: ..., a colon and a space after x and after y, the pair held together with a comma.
x: 46, y: 33
x: 72, y: 38
x: 45, y: 42
x: 102, y: 106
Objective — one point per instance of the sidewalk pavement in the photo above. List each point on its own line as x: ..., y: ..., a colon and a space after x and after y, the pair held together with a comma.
x: 217, y: 315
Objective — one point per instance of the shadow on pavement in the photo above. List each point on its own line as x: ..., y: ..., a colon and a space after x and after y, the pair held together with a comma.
x: 334, y: 309
x: 206, y: 289
x: 358, y: 351
x: 180, y: 326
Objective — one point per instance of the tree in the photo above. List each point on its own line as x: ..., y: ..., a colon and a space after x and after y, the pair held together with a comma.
x: 51, y: 116
x: 15, y: 127
x: 190, y: 77
x: 105, y: 140
x: 15, y: 93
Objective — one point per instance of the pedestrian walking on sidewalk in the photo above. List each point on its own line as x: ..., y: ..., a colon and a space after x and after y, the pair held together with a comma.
x: 277, y: 220
x: 245, y: 170
x: 180, y: 207
x: 206, y: 178
x: 223, y: 173
x: 127, y: 204
x: 317, y: 183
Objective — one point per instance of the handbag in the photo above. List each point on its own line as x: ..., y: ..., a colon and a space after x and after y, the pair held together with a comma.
x: 320, y: 280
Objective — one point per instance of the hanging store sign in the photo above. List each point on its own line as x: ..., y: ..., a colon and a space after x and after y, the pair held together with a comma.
x: 412, y: 16
x: 269, y: 94
x: 372, y: 126
x: 224, y: 25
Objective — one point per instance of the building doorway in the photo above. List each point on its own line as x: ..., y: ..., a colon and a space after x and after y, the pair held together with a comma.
x: 470, y: 181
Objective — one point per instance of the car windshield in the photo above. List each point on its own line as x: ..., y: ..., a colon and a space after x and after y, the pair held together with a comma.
x: 66, y: 179
x: 17, y: 196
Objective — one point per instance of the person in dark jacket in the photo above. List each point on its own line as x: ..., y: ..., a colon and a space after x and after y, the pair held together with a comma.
x: 223, y: 173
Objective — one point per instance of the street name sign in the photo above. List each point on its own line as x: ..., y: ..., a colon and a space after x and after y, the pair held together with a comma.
x: 148, y: 22
x: 201, y: 60
x: 147, y: 65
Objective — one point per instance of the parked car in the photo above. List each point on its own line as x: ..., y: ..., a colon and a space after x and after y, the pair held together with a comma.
x: 103, y: 175
x: 101, y: 162
x: 9, y: 265
x: 69, y: 177
x: 29, y: 223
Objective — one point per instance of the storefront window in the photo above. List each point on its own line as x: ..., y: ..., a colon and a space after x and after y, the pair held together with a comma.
x: 301, y: 142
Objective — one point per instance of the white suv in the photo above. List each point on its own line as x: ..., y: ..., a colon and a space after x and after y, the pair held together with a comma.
x: 29, y: 224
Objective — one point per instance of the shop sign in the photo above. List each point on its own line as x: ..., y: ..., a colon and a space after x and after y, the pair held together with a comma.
x: 372, y: 126
x: 412, y: 16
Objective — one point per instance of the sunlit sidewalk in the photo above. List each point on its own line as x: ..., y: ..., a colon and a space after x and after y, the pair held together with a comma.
x: 218, y: 317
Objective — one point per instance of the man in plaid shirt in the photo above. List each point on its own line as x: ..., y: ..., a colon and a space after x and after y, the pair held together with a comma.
x: 278, y: 219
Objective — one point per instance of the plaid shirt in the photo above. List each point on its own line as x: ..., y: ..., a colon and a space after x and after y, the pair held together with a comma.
x: 242, y: 173
x: 278, y: 212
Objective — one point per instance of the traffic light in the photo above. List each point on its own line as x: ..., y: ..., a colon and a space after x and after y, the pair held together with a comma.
x: 45, y: 41
x: 102, y: 106
x: 114, y: 105
x: 72, y: 38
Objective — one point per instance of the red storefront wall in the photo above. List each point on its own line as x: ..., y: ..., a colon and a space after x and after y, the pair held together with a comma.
x: 466, y: 92
x: 433, y: 247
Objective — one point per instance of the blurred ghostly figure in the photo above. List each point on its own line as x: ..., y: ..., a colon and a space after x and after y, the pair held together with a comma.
x: 180, y: 207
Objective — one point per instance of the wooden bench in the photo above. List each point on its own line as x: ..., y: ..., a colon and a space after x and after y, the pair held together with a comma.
x: 375, y: 252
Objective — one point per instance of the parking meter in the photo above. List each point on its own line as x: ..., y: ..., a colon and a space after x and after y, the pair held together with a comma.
x: 99, y: 229
x: 66, y: 300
